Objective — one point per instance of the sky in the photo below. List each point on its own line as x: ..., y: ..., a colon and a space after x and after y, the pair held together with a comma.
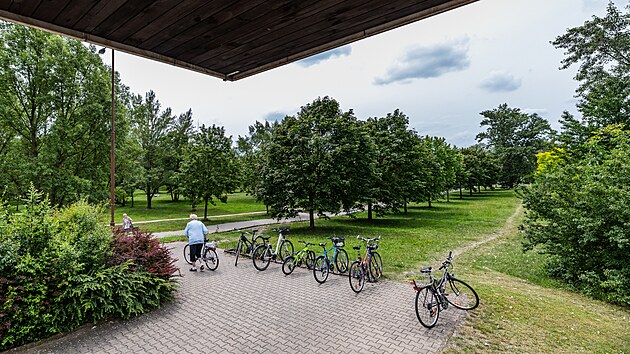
x: 441, y: 72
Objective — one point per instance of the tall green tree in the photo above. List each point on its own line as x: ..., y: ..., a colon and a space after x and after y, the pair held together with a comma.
x: 515, y: 137
x: 250, y: 150
x: 54, y: 105
x: 312, y: 162
x: 151, y: 126
x: 177, y: 141
x: 210, y: 169
x: 601, y: 48
x: 398, y: 154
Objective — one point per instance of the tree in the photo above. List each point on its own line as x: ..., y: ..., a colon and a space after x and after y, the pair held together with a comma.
x: 177, y: 141
x: 313, y: 162
x: 210, y: 169
x: 54, y: 105
x: 515, y: 137
x: 250, y: 150
x: 601, y: 47
x: 398, y: 154
x: 150, y: 128
x: 578, y: 208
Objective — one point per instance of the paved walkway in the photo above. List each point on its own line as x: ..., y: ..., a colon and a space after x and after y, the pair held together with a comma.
x: 242, y: 310
x: 237, y: 225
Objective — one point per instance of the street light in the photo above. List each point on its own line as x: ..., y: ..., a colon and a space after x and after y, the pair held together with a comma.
x: 111, y: 167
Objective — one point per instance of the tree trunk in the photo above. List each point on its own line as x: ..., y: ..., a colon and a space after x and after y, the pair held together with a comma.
x: 461, y: 196
x: 429, y: 202
x: 205, y: 208
x: 405, y: 205
x: 448, y: 195
x: 132, y: 200
x: 149, y: 198
x: 311, y: 218
x: 370, y: 212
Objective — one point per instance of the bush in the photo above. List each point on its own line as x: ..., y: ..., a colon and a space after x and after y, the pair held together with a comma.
x: 145, y: 252
x: 578, y: 210
x: 63, y: 268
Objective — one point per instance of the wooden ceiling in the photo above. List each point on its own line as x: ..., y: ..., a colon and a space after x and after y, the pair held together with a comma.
x: 227, y: 39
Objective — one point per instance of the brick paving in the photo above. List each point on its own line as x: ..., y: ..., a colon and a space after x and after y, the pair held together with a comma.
x: 242, y: 310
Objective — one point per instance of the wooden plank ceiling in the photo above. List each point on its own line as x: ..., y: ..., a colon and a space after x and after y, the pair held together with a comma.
x: 227, y: 39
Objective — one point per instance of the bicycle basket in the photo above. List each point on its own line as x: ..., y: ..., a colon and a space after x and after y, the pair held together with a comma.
x: 373, y: 246
x: 339, y: 243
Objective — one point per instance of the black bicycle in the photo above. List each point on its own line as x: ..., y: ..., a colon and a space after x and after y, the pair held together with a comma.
x: 208, y: 254
x: 246, y: 246
x: 437, y: 294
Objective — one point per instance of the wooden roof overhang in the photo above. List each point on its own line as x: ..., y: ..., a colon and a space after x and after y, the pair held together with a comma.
x: 227, y: 39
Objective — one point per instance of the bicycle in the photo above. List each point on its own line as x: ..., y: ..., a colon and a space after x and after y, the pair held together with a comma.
x: 245, y: 246
x: 209, y: 254
x: 324, y: 264
x: 304, y: 255
x: 368, y: 267
x: 436, y: 294
x: 263, y: 254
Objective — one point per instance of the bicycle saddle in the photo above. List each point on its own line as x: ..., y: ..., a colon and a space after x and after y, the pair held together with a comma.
x: 323, y: 244
x: 426, y: 270
x: 264, y: 237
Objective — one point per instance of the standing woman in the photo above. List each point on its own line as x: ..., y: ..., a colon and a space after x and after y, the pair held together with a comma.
x: 196, y: 232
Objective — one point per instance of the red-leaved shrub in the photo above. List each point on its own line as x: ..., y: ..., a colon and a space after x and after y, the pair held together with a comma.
x: 144, y: 251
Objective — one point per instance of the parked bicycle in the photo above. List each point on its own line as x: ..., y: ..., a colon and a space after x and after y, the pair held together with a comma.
x: 369, y: 267
x: 246, y: 246
x: 208, y: 254
x: 263, y: 253
x: 304, y: 255
x: 334, y: 256
x: 437, y: 294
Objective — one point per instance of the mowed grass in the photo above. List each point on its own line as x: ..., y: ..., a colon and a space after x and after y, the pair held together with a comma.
x: 524, y: 310
x: 163, y: 208
x: 412, y: 240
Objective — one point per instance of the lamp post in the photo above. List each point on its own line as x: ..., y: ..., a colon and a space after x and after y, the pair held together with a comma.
x: 111, y: 163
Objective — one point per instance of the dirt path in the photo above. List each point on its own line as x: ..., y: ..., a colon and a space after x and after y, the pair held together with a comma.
x: 507, y: 227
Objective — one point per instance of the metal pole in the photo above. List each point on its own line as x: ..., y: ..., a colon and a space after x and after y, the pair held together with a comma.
x: 111, y: 169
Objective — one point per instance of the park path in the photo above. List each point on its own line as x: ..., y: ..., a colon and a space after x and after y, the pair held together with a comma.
x: 238, y: 225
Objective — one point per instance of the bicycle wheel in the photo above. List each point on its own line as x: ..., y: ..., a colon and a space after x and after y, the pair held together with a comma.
x: 310, y: 260
x: 187, y: 254
x: 427, y: 307
x: 261, y: 257
x: 356, y: 278
x: 320, y: 270
x: 341, y: 260
x: 211, y: 259
x: 288, y: 265
x: 376, y: 266
x: 461, y: 295
x: 286, y: 250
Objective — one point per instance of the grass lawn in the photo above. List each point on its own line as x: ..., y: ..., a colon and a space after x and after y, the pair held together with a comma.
x: 163, y: 208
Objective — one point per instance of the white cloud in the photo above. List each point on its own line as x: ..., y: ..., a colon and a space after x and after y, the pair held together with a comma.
x: 321, y: 57
x: 500, y: 81
x: 428, y: 62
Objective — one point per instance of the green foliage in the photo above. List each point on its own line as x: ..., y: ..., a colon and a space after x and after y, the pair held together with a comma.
x: 317, y: 161
x: 515, y: 138
x: 112, y: 292
x: 601, y: 47
x: 210, y: 169
x: 55, y: 276
x: 578, y: 211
